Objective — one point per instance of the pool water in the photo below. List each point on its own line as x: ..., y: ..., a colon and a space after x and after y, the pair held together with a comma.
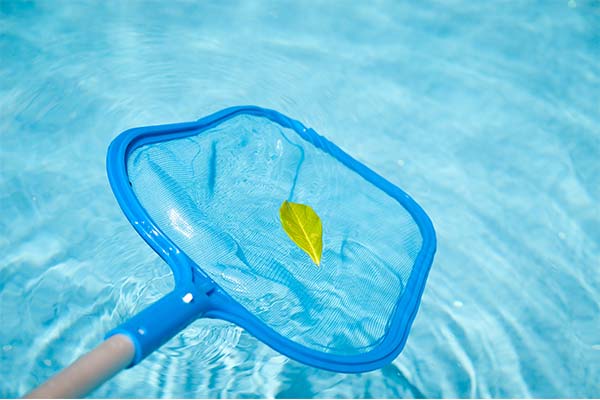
x: 488, y: 114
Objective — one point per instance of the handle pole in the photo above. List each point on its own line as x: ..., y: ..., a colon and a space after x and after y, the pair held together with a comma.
x: 89, y: 371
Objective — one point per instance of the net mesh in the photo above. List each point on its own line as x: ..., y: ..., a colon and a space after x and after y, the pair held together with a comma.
x: 217, y: 196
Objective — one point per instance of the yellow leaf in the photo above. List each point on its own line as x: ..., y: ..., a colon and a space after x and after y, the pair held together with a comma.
x: 303, y: 226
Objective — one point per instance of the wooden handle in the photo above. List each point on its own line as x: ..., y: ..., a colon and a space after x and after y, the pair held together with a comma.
x: 89, y: 371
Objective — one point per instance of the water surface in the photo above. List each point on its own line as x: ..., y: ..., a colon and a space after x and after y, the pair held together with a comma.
x: 486, y: 113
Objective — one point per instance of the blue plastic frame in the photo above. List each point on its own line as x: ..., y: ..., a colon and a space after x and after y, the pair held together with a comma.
x: 197, y: 295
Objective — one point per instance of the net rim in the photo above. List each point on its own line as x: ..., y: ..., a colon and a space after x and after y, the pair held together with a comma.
x: 222, y: 305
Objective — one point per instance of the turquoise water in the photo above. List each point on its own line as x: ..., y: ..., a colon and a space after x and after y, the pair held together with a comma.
x: 486, y: 113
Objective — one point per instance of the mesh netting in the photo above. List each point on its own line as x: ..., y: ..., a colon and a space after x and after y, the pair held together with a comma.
x: 217, y: 196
